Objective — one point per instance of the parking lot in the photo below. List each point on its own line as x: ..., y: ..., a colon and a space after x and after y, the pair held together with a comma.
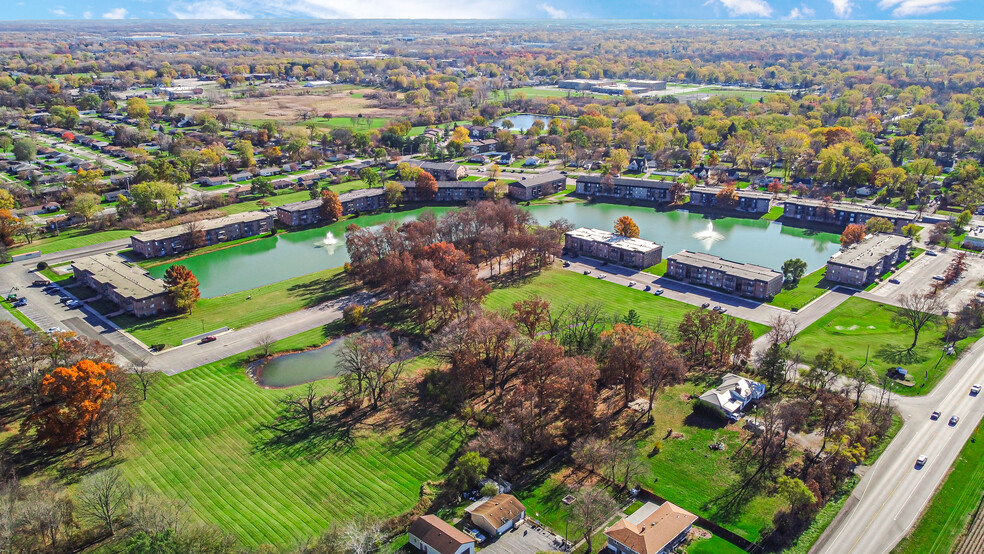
x: 524, y: 540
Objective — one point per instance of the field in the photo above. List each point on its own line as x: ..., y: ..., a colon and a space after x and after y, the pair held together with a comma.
x: 953, y: 505
x: 561, y: 287
x: 858, y: 324
x: 810, y: 288
x: 71, y: 238
x: 205, y: 442
x: 775, y: 212
x: 231, y: 310
x: 287, y: 196
x: 554, y: 92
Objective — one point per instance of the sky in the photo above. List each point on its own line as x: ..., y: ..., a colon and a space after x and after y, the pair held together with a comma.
x: 497, y: 9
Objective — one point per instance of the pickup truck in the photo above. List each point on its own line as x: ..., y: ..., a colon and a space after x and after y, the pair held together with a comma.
x: 41, y: 282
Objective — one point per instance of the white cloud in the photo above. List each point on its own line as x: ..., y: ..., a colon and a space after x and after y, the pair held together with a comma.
x: 87, y: 14
x: 116, y: 13
x: 552, y: 11
x: 908, y: 8
x: 801, y: 12
x: 207, y: 10
x: 58, y: 11
x: 842, y: 8
x: 736, y: 8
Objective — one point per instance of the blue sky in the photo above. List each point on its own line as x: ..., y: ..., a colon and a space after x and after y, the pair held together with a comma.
x: 505, y: 9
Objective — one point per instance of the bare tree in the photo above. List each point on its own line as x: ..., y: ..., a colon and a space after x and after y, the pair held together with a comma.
x: 783, y: 330
x: 146, y: 377
x: 589, y: 512
x: 307, y: 406
x: 154, y: 515
x: 196, y: 232
x: 915, y: 311
x: 265, y: 344
x: 104, y: 497
x: 362, y: 536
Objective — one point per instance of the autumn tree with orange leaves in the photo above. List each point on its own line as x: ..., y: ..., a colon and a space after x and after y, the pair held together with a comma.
x: 626, y: 227
x: 853, y: 234
x: 182, y: 287
x: 426, y: 186
x: 74, y: 400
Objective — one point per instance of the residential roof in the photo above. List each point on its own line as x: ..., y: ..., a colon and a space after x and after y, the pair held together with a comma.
x: 300, y: 206
x: 650, y: 529
x: 855, y: 208
x: 737, y: 269
x: 204, y: 225
x: 539, y: 179
x: 360, y: 193
x: 742, y: 193
x: 439, y: 534
x: 734, y: 393
x: 128, y: 280
x: 627, y: 181
x: 869, y: 251
x: 449, y: 184
x: 437, y: 166
x: 498, y: 510
x: 625, y: 243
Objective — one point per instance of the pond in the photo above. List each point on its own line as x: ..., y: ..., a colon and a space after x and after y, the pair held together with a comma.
x: 289, y: 370
x: 290, y: 255
x: 522, y: 122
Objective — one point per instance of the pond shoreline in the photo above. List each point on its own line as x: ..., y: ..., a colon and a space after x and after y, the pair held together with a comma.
x: 254, y: 369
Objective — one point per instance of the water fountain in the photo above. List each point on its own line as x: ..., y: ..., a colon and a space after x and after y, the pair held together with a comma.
x: 329, y: 243
x: 708, y: 236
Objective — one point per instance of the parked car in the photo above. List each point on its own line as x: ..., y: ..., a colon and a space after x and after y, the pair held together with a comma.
x: 717, y: 308
x: 208, y: 339
x: 602, y: 275
x: 921, y: 460
x: 975, y: 389
x: 50, y: 287
x: 72, y: 304
x: 20, y: 302
x: 41, y: 282
x: 980, y: 294
x: 935, y: 415
x: 587, y: 272
x: 659, y: 292
x: 954, y: 420
x: 567, y: 264
x: 722, y: 310
x: 705, y: 305
x: 632, y: 283
x: 647, y: 288
x: 53, y: 330
x: 930, y: 253
x: 893, y: 281
x: 937, y: 277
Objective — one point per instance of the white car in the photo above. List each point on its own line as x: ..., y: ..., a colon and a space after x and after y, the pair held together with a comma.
x: 602, y: 275
x: 975, y: 389
x: 658, y: 292
x: 632, y: 283
x: 921, y: 460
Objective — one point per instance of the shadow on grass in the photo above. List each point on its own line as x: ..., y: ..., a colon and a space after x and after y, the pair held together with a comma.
x: 297, y: 439
x: 895, y: 354
x: 318, y: 291
x: 703, y: 420
x: 69, y: 463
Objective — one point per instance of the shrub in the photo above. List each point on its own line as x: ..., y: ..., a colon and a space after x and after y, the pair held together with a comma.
x: 489, y: 489
x: 354, y: 314
x: 42, y: 266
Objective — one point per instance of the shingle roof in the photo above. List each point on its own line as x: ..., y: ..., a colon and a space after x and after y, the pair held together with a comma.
x: 499, y: 509
x: 655, y: 529
x: 438, y: 534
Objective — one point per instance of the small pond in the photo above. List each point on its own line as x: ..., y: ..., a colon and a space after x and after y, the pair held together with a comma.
x: 289, y: 370
x: 522, y: 122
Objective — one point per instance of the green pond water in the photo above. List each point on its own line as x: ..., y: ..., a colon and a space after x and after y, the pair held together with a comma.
x: 301, y: 367
x: 289, y: 255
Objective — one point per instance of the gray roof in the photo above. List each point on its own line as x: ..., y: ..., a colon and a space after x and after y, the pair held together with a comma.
x: 128, y: 280
x: 742, y: 193
x: 627, y: 181
x: 737, y: 269
x: 360, y: 193
x: 873, y: 211
x: 449, y: 184
x: 870, y: 251
x: 204, y: 225
x: 539, y: 179
x: 425, y: 165
x: 300, y: 206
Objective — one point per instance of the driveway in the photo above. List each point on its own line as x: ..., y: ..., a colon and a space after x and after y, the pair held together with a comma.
x: 523, y: 540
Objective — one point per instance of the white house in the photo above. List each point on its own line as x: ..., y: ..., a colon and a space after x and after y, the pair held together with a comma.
x: 432, y: 535
x: 496, y: 515
x: 733, y: 395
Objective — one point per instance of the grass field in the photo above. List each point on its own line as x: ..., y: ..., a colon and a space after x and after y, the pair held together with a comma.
x: 204, y: 442
x: 658, y: 270
x: 952, y: 506
x: 561, y: 287
x: 774, y: 213
x: 23, y: 319
x: 810, y: 288
x: 355, y: 124
x: 236, y: 311
x: 535, y: 92
x: 71, y: 238
x: 713, y: 545
x: 858, y: 324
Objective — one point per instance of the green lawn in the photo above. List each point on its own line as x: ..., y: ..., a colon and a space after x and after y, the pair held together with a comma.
x: 858, y: 325
x: 204, y: 441
x: 953, y: 505
x: 534, y: 92
x: 23, y: 319
x: 355, y: 124
x: 71, y: 238
x: 658, y: 270
x: 809, y: 289
x: 713, y: 545
x: 774, y: 213
x: 561, y: 287
x: 236, y: 311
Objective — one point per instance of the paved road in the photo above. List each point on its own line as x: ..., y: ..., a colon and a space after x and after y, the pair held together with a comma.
x: 889, y: 498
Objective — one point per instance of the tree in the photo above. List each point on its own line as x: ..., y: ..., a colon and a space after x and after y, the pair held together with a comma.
x: 146, y: 377
x: 371, y: 366
x: 105, y: 497
x: 74, y: 397
x: 86, y: 180
x: 426, y: 186
x: 618, y: 160
x: 793, y: 270
x: 331, y: 206
x: 137, y: 108
x: 8, y: 227
x: 626, y: 227
x: 262, y: 186
x: 25, y: 150
x: 590, y: 511
x: 6, y: 200
x: 468, y: 471
x: 915, y: 311
x: 394, y: 193
x: 912, y: 231
x: 633, y: 357
x: 878, y: 225
x: 307, y: 406
x: 85, y: 205
x: 370, y: 176
x: 853, y: 234
x: 182, y: 287
x: 964, y: 219
x: 244, y: 149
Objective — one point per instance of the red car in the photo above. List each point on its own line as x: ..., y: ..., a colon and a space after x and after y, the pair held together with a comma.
x: 207, y: 339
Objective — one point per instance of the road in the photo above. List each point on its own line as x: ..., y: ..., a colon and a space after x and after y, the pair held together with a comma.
x: 889, y: 498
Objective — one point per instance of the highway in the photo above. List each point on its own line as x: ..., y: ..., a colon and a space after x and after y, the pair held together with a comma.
x: 893, y: 492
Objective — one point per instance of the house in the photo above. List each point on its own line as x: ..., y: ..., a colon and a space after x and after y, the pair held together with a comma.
x: 842, y: 214
x: 129, y: 287
x: 975, y: 237
x: 481, y: 146
x: 269, y: 171
x: 432, y: 535
x: 861, y: 264
x: 652, y: 529
x: 478, y: 159
x: 441, y: 171
x: 753, y: 281
x: 624, y: 189
x: 172, y: 240
x: 240, y: 177
x: 212, y: 181
x: 532, y: 161
x: 733, y: 395
x: 605, y: 245
x: 480, y: 132
x: 750, y: 201
x: 496, y: 515
x: 535, y: 186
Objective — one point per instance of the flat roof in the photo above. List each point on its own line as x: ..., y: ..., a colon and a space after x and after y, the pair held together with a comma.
x: 870, y: 251
x: 205, y: 225
x: 618, y: 241
x: 128, y: 280
x: 742, y: 193
x: 627, y: 181
x: 738, y: 269
x: 360, y: 193
x: 539, y: 179
x: 857, y: 208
